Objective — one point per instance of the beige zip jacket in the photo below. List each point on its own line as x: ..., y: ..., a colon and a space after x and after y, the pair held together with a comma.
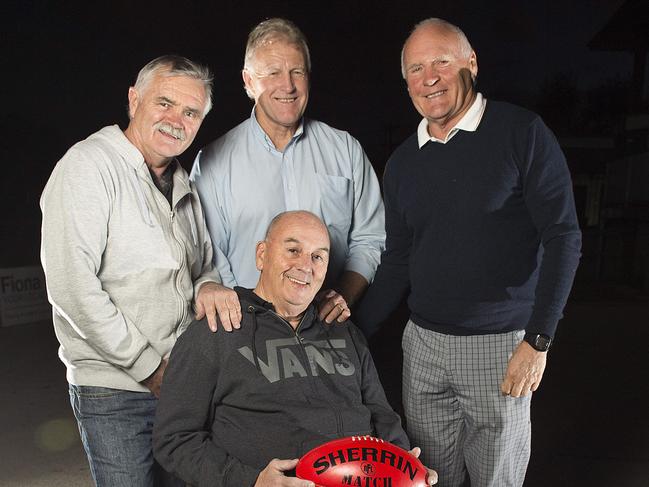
x: 122, y: 266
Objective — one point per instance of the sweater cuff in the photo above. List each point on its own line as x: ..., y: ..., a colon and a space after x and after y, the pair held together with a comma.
x: 542, y: 326
x: 145, y: 365
x: 211, y: 277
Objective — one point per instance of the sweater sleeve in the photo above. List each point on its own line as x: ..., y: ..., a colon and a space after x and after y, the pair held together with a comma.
x: 76, y: 206
x: 385, y: 421
x: 549, y: 198
x: 182, y: 439
x: 392, y: 281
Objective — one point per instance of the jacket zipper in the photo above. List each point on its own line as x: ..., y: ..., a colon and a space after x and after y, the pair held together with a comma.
x: 181, y: 300
x: 182, y: 313
x: 298, y: 339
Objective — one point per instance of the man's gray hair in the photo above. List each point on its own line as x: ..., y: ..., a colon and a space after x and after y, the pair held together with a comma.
x: 172, y: 65
x: 463, y: 42
x: 275, y: 29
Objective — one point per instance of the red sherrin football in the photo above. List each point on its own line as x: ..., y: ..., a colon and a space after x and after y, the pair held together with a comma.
x: 361, y: 461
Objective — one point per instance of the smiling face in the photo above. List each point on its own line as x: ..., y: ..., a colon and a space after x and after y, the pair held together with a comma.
x: 293, y: 262
x: 439, y: 77
x: 165, y: 117
x: 278, y: 80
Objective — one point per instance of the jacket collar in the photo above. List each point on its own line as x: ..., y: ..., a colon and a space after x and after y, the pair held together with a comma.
x: 134, y: 158
x: 249, y: 297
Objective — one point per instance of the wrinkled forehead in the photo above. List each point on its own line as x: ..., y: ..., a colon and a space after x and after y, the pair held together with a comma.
x: 167, y: 81
x: 304, y: 231
x: 178, y: 88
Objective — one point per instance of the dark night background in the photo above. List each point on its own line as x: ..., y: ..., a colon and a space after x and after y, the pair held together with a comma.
x: 581, y: 64
x: 68, y: 66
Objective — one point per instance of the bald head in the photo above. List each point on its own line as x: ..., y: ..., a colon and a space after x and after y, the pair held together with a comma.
x: 462, y: 45
x: 292, y: 259
x: 299, y: 217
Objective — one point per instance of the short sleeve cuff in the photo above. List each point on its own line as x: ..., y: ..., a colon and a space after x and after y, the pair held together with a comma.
x: 363, y: 266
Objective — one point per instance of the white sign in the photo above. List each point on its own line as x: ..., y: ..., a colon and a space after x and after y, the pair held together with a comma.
x: 23, y: 298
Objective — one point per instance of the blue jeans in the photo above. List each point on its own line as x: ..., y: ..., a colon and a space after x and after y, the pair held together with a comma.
x: 116, y: 428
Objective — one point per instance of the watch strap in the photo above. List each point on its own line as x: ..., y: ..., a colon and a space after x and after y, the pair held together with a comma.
x: 538, y: 341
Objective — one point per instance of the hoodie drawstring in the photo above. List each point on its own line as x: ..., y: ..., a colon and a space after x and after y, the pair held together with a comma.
x: 145, y: 212
x: 192, y: 224
x: 252, y: 310
x: 341, y: 359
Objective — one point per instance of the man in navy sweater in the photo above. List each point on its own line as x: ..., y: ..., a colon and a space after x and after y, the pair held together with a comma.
x: 482, y: 233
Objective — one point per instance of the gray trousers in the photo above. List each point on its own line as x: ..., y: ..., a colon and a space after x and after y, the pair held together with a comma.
x: 455, y: 411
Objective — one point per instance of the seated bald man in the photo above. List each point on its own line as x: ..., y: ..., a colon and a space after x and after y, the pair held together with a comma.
x: 232, y: 404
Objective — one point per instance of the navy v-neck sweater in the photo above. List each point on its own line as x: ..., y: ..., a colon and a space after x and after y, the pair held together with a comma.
x: 481, y: 230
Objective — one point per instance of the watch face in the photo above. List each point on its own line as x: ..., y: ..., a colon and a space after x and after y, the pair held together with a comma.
x: 542, y: 342
x: 539, y: 342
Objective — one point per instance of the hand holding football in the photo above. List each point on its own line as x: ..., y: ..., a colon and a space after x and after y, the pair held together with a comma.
x: 361, y: 461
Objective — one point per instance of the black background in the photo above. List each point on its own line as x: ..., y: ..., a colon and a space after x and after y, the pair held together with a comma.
x: 68, y: 66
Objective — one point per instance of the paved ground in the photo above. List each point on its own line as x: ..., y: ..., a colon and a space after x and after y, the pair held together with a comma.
x: 39, y: 440
x: 590, y: 421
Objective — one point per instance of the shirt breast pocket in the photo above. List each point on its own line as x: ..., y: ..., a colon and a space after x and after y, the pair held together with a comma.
x: 336, y: 203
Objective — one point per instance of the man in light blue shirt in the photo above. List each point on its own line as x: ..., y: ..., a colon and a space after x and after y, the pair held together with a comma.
x: 277, y: 161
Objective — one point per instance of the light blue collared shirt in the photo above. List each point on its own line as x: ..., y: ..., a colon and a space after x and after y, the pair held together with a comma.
x: 244, y: 181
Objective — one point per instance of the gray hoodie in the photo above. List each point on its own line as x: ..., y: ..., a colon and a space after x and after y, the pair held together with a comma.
x: 231, y: 402
x: 122, y: 265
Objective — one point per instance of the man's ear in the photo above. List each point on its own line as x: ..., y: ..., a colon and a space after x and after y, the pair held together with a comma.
x: 260, y: 254
x: 473, y: 65
x: 133, y: 101
x: 247, y: 83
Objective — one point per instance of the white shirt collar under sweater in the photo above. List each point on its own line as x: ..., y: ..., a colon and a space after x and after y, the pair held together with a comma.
x: 468, y: 122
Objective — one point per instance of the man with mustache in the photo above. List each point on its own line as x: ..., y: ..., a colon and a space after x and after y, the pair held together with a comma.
x: 279, y: 160
x: 238, y: 409
x: 482, y: 235
x: 125, y: 251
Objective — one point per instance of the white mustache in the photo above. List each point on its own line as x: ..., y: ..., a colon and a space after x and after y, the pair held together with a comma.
x: 167, y: 128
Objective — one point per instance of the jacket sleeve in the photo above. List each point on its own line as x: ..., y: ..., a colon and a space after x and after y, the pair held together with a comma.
x: 385, y: 421
x: 182, y: 439
x: 367, y: 233
x: 548, y: 195
x: 76, y: 206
